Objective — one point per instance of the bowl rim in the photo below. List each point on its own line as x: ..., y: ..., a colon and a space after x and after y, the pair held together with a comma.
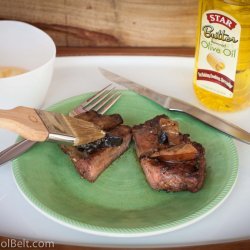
x: 40, y: 66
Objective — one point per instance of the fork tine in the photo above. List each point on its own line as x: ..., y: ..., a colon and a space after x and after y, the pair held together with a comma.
x: 100, y: 92
x: 106, y: 100
x: 109, y: 105
x: 81, y: 107
x: 98, y: 100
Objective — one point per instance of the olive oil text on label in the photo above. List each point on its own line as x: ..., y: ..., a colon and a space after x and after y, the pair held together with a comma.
x: 220, y: 50
x: 218, y: 54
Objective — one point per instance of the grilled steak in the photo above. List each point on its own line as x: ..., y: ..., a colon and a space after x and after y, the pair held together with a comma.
x: 105, y: 122
x: 92, y: 159
x: 169, y: 159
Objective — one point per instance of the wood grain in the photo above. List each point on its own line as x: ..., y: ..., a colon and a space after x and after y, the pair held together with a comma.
x: 25, y: 122
x: 109, y: 23
x: 125, y: 51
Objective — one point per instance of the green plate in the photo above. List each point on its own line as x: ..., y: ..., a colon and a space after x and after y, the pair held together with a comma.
x: 120, y: 202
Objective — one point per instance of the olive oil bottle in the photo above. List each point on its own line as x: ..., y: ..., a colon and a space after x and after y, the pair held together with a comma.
x: 222, y: 58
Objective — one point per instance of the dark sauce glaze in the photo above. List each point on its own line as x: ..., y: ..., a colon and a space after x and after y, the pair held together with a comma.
x: 108, y: 141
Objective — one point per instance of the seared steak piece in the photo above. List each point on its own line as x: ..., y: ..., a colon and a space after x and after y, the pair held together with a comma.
x: 176, y: 175
x: 92, y: 159
x: 169, y: 159
x: 146, y: 139
x: 105, y: 122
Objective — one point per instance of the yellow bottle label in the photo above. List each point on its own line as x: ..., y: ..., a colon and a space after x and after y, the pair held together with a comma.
x: 218, y: 54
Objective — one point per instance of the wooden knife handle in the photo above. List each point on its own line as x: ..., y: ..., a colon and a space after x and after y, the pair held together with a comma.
x: 25, y: 122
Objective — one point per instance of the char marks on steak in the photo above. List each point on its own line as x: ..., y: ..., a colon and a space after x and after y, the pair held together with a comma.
x: 169, y: 159
x: 92, y: 159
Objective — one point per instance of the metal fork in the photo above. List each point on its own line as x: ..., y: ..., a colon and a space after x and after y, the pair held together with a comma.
x: 99, y: 102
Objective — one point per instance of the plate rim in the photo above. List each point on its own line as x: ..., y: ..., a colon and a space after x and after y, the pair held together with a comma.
x: 135, y: 232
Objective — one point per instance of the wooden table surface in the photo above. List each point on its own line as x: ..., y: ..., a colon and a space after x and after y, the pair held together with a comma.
x: 111, y: 23
x: 241, y: 244
x: 137, y: 51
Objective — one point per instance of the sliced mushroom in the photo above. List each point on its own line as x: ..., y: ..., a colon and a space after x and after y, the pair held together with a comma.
x: 181, y: 152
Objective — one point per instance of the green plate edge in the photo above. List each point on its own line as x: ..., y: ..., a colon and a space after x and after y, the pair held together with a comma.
x: 108, y: 231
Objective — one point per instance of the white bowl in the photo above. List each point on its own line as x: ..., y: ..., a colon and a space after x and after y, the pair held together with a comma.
x: 25, y: 46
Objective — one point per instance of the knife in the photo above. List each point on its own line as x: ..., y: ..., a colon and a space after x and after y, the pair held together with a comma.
x: 174, y: 104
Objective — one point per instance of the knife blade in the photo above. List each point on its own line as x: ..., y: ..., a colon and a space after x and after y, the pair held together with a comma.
x: 174, y: 104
